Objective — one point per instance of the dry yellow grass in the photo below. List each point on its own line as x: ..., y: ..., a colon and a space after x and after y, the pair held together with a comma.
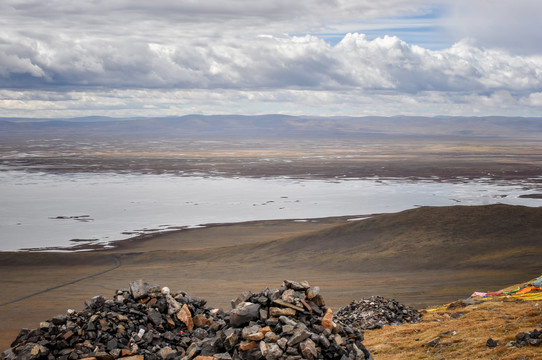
x: 463, y: 333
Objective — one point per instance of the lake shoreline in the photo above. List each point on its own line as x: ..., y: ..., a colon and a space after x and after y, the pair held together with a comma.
x: 83, y: 212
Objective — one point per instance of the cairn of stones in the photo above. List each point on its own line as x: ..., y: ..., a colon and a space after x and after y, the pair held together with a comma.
x: 148, y: 322
x: 375, y: 312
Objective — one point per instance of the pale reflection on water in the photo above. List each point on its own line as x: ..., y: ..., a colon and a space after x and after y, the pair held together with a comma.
x: 47, y: 210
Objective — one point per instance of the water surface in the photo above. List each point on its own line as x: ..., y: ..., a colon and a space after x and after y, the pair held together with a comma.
x: 42, y: 210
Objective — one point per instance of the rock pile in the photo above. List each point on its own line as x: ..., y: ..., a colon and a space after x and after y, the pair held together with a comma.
x: 146, y: 322
x: 533, y: 338
x: 375, y: 312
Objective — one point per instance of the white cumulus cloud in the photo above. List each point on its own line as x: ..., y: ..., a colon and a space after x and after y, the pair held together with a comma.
x: 246, y: 56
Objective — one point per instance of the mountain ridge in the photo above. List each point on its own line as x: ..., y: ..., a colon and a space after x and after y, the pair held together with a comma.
x: 276, y: 125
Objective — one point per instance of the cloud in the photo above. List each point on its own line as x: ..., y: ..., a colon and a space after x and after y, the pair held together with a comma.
x: 511, y: 25
x: 247, y: 56
x: 272, y: 62
x: 14, y: 64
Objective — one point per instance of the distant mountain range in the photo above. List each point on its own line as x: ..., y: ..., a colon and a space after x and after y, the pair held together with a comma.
x: 277, y: 126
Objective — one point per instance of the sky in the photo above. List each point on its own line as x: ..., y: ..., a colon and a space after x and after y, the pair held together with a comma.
x: 127, y: 58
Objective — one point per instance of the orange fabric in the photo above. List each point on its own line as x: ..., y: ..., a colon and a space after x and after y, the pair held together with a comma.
x: 525, y: 290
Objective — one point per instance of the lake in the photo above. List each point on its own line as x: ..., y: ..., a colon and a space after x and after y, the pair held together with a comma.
x: 41, y: 210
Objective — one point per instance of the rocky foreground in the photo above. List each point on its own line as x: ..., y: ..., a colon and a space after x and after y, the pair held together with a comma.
x: 148, y: 322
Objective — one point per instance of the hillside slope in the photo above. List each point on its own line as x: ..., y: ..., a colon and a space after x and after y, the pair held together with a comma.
x: 422, y: 256
x: 492, y: 236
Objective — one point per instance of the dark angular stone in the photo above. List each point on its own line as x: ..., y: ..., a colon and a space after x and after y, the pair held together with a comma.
x: 112, y: 344
x: 490, y: 343
x: 97, y: 302
x: 155, y: 317
x: 59, y: 319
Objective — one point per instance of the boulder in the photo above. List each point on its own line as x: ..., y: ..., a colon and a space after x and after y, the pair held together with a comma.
x: 243, y: 313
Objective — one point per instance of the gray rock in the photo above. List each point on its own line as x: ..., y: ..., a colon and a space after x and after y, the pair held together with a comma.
x: 165, y: 352
x: 173, y: 306
x: 116, y: 353
x: 155, y: 317
x: 273, y: 351
x: 288, y: 305
x: 244, y: 297
x: 210, y: 346
x: 192, y: 350
x: 288, y: 296
x: 308, y: 349
x: 112, y: 344
x: 9, y: 355
x: 232, y: 338
x: 139, y: 289
x: 287, y: 321
x: 96, y: 302
x: 250, y: 330
x: 312, y: 292
x: 59, y: 319
x: 264, y: 314
x: 287, y: 329
x: 274, y: 294
x: 244, y: 313
x: 200, y: 333
x: 147, y: 337
x: 338, y: 340
x: 298, y: 336
x: 304, y: 285
x: 271, y: 337
x: 282, y: 343
x: 323, y: 340
x: 222, y: 356
x: 31, y: 351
